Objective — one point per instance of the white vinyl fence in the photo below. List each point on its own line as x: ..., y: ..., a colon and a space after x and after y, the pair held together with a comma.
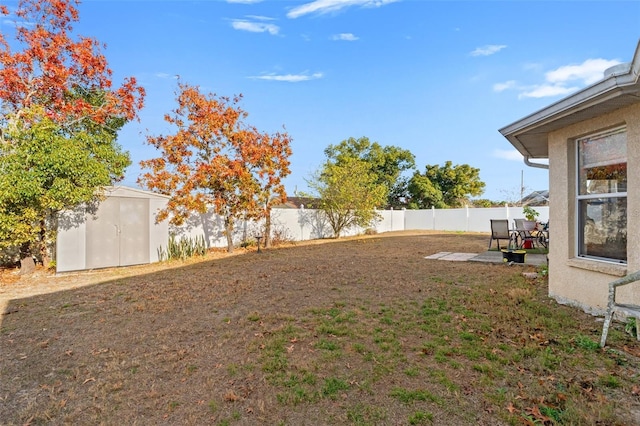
x: 308, y: 224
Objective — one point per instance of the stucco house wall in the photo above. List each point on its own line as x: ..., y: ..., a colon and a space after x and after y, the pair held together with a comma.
x: 578, y: 281
x: 552, y: 133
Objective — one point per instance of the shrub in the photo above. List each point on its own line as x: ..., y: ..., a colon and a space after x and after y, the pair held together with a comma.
x: 183, y: 248
x: 280, y: 235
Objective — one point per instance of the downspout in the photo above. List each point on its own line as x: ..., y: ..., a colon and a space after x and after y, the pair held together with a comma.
x: 538, y: 165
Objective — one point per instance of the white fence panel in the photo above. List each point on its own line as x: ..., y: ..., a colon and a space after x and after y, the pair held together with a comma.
x: 479, y: 219
x: 301, y: 224
x: 419, y: 219
x: 397, y: 220
x: 292, y: 224
x: 451, y: 220
x: 211, y: 227
x: 385, y: 221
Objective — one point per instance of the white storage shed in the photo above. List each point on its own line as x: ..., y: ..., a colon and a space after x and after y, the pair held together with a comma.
x: 123, y: 231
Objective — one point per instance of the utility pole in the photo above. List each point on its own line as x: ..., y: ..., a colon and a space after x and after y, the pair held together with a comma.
x: 521, y: 186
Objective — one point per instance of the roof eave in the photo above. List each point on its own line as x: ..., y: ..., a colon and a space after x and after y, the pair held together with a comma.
x: 536, y: 126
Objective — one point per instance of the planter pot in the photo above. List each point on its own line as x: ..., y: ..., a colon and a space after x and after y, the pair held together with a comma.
x: 529, y: 225
x: 515, y: 256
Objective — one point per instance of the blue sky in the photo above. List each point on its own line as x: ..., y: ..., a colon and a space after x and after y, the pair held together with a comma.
x: 438, y: 78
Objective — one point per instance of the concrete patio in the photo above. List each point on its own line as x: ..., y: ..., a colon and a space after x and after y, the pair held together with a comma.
x: 534, y: 259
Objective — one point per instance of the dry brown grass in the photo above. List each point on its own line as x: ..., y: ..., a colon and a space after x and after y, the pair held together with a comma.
x: 361, y: 331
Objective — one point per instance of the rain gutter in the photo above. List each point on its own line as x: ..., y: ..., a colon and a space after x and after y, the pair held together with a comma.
x: 537, y: 165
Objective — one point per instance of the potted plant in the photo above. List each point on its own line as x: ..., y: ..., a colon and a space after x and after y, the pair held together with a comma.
x: 531, y: 215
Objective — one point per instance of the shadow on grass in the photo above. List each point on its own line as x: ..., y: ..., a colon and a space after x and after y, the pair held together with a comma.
x: 364, y: 331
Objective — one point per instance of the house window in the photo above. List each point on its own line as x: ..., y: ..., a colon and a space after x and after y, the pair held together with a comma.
x: 602, y: 196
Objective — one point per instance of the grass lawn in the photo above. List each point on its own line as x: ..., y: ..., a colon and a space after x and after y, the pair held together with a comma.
x: 362, y: 331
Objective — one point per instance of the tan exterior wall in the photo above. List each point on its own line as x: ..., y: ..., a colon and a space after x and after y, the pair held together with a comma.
x: 582, y: 282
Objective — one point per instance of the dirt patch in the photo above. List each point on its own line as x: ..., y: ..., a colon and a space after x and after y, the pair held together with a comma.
x: 359, y: 331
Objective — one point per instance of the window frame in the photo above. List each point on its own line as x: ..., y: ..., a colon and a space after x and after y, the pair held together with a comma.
x: 608, y: 196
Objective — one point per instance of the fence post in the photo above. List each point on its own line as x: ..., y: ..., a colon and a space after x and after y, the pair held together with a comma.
x: 301, y: 221
x: 404, y: 218
x: 466, y: 208
x: 433, y: 217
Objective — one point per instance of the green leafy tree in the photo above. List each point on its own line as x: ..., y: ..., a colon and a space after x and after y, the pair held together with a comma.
x: 46, y: 168
x: 59, y: 112
x: 386, y: 162
x: 349, y: 193
x: 485, y: 203
x: 423, y: 193
x: 446, y: 186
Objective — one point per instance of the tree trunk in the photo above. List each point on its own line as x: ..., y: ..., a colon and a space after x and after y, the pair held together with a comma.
x: 267, y: 228
x: 228, y: 224
x: 27, y: 264
x: 44, y: 245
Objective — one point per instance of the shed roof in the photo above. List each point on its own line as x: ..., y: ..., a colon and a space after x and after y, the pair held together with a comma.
x: 128, y: 192
x: 619, y: 88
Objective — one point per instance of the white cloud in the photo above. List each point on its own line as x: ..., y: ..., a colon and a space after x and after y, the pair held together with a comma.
x: 164, y: 75
x: 507, y: 154
x: 500, y: 87
x: 533, y: 66
x: 488, y: 50
x: 561, y: 81
x: 17, y: 24
x: 260, y: 18
x: 291, y: 78
x: 255, y: 27
x: 547, y: 90
x: 322, y: 7
x: 588, y: 72
x: 345, y: 37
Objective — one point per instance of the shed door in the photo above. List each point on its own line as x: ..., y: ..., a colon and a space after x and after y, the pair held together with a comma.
x: 134, y: 231
x: 118, y: 235
x: 103, y: 247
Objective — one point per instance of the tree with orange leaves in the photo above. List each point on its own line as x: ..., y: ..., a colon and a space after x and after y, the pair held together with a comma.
x: 49, y: 65
x: 59, y: 118
x: 216, y: 161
